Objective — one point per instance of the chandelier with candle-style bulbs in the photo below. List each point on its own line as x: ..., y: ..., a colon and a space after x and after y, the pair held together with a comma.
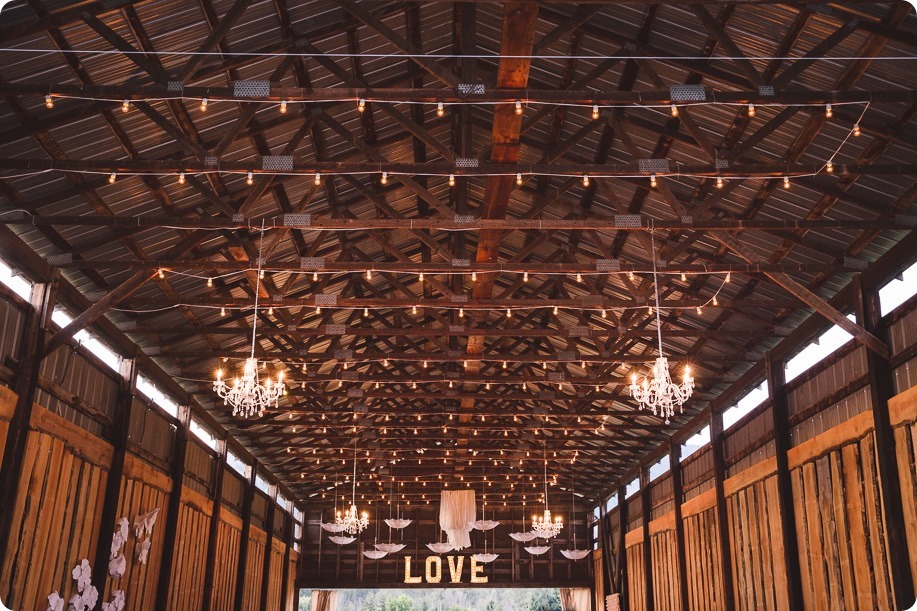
x: 659, y: 393
x: 543, y: 525
x: 352, y: 521
x: 247, y: 395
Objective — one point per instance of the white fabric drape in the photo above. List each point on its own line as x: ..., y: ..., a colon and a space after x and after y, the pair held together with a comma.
x: 324, y: 600
x: 456, y: 511
x: 575, y: 599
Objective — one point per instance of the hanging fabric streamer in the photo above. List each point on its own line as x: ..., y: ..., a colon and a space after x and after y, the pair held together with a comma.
x: 456, y: 512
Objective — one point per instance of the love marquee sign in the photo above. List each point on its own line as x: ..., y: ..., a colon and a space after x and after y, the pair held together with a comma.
x: 433, y: 570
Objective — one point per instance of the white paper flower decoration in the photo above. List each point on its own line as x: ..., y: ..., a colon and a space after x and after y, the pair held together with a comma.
x: 142, y: 550
x: 117, y: 566
x: 82, y: 574
x: 55, y: 602
x: 117, y: 602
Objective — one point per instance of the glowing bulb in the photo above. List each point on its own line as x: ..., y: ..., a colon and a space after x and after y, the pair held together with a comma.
x: 270, y: 311
x: 461, y: 312
x: 728, y: 276
x: 630, y: 275
x: 414, y: 309
x: 518, y: 107
x: 829, y: 167
x: 525, y: 276
x: 314, y: 276
x: 366, y: 312
x: 204, y: 105
x: 595, y: 111
x: 585, y: 180
x: 125, y: 105
x: 112, y: 178
x: 474, y: 276
x: 719, y: 182
x: 451, y: 180
x: 369, y: 274
x: 162, y: 273
x: 209, y: 282
x: 519, y: 179
x: 604, y: 313
x: 361, y: 105
x: 49, y: 101
x: 684, y: 277
x: 283, y: 106
x: 439, y: 109
x: 579, y: 277
x: 420, y: 277
x: 699, y: 311
x: 653, y: 180
x: 509, y: 313
x: 222, y: 311
x: 555, y: 310
x: 856, y: 129
x: 751, y: 109
x: 318, y: 178
x: 786, y: 182
x: 829, y: 112
x: 250, y: 179
x: 674, y: 110
x: 181, y: 178
x: 715, y: 302
x: 384, y: 179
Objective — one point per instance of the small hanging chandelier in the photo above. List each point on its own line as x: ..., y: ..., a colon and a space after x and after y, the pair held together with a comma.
x: 352, y: 521
x: 660, y: 394
x: 248, y: 396
x: 543, y: 526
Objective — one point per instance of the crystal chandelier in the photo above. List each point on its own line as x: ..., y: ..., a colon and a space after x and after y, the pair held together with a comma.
x: 248, y: 396
x: 660, y: 394
x: 543, y: 526
x: 352, y: 521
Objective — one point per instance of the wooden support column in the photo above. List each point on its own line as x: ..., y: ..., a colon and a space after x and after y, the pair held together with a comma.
x: 608, y: 553
x: 247, y: 500
x: 121, y: 422
x: 621, y: 564
x: 647, y: 506
x: 182, y: 432
x: 214, y: 530
x: 776, y: 389
x: 269, y: 542
x: 34, y: 337
x: 289, y: 530
x: 881, y: 389
x: 678, y: 494
x: 722, y: 518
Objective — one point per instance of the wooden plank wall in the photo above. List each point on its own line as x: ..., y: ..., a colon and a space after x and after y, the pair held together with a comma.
x: 56, y: 516
x: 275, y: 576
x: 842, y: 547
x: 292, y: 594
x: 143, y: 489
x: 254, y: 568
x: 187, y: 583
x: 229, y: 535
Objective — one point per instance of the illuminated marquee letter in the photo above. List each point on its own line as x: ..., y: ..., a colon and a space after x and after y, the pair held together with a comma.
x: 407, y: 572
x: 455, y: 568
x: 475, y: 569
x: 438, y: 562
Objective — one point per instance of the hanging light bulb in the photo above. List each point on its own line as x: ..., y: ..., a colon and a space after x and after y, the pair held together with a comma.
x: 579, y: 277
x: 509, y: 313
x: 786, y: 182
x: 384, y: 179
x: 518, y: 179
x: 653, y: 180
x: 181, y: 178
x: 125, y: 106
x: 369, y: 274
x: 420, y: 277
x: 728, y: 277
x: 461, y: 312
x: 474, y: 276
x: 856, y: 129
x: 684, y: 277
x: 439, y: 109
x: 719, y: 182
x: 585, y: 180
x: 525, y: 276
x: 314, y: 276
x: 361, y: 105
x: 318, y: 178
x: 555, y: 310
x: 250, y: 179
x: 161, y: 273
x: 204, y: 105
x: 451, y: 180
x: 518, y: 107
x: 595, y: 111
x: 604, y: 313
x: 414, y: 309
x: 112, y: 178
x: 829, y: 112
x: 366, y: 312
x: 829, y: 167
x: 49, y: 101
x: 674, y: 110
x: 283, y: 107
x: 751, y: 109
x: 209, y: 282
x: 222, y: 311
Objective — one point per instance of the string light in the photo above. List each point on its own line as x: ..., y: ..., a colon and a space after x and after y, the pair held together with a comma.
x: 250, y: 178
x: 318, y: 178
x: 653, y: 180
x: 525, y: 276
x: 162, y: 273
x: 604, y: 313
x: 461, y: 312
x: 519, y: 179
x: 366, y: 312
x: 209, y: 282
x: 440, y: 111
x: 719, y: 182
x: 283, y: 107
x: 369, y: 274
x: 474, y: 276
x: 414, y: 309
x: 204, y: 105
x: 751, y: 109
x: 684, y: 278
x: 451, y: 180
x: 579, y: 277
x: 585, y: 180
x: 112, y: 178
x: 49, y: 102
x: 222, y: 311
x: 595, y: 111
x: 361, y: 105
x: 125, y: 105
x: 829, y: 112
x: 518, y: 107
x: 181, y: 178
x: 786, y: 182
x: 420, y: 277
x: 856, y: 129
x: 509, y: 313
x: 555, y: 310
x: 728, y: 277
x: 314, y: 276
x: 674, y: 110
x: 829, y: 167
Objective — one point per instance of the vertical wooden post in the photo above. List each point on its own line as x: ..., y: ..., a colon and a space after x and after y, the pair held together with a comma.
x: 621, y: 564
x: 608, y: 551
x: 678, y: 494
x: 121, y: 423
x: 646, y: 506
x: 776, y: 389
x: 34, y: 336
x: 289, y: 529
x: 881, y: 389
x: 722, y: 517
x: 182, y: 432
x: 214, y: 529
x: 268, y: 544
x: 248, y: 498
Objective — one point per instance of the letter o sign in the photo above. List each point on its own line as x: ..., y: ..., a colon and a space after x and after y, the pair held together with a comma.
x: 434, y: 575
